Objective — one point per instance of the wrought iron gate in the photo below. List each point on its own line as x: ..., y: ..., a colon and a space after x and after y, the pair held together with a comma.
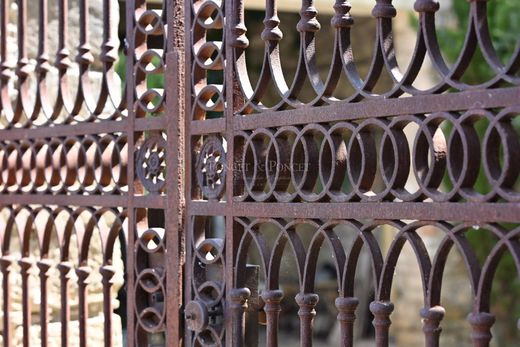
x: 211, y: 183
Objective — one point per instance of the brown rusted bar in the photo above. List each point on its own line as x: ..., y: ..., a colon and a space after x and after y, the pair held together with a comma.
x: 381, y: 322
x: 346, y: 317
x: 25, y: 265
x: 83, y: 272
x: 44, y: 265
x: 107, y: 273
x: 193, y: 170
x: 307, y: 312
x: 238, y: 307
x: 432, y: 318
x: 65, y: 269
x: 272, y: 308
x: 6, y: 262
x: 481, y: 324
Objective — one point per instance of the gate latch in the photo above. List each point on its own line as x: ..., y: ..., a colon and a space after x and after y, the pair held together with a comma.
x: 198, y: 315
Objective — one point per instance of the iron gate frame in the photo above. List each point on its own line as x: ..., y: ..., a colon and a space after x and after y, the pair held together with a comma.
x: 244, y: 117
x: 208, y: 134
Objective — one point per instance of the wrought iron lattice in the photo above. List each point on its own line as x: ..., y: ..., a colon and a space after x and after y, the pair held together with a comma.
x: 344, y: 168
x: 83, y: 173
x: 155, y: 198
x: 64, y: 162
x: 207, y: 185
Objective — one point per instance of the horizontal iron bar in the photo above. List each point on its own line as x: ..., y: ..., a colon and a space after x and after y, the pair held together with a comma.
x: 471, y: 212
x: 155, y: 123
x: 206, y: 208
x: 148, y: 201
x: 103, y: 127
x: 420, y: 104
x: 208, y: 126
x: 87, y: 128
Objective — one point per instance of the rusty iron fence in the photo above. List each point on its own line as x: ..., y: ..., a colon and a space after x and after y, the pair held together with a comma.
x: 200, y: 179
x: 64, y: 157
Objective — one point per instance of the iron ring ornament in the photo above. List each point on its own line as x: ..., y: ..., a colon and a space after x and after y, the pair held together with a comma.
x: 151, y: 163
x: 204, y: 313
x: 211, y: 168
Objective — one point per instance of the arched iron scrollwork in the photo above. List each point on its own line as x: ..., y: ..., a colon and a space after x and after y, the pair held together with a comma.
x: 88, y: 164
x: 25, y: 106
x: 78, y: 163
x: 64, y: 161
x: 392, y: 156
x: 253, y: 240
x: 54, y: 239
x: 344, y: 62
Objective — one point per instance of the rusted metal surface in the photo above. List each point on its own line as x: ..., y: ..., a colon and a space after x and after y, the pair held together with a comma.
x: 351, y: 165
x: 67, y: 170
x: 78, y: 165
x: 156, y: 136
x: 64, y: 161
x: 192, y: 173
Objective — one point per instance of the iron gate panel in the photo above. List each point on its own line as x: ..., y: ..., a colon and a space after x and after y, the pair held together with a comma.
x: 338, y: 162
x: 197, y: 176
x: 81, y: 171
x: 64, y: 152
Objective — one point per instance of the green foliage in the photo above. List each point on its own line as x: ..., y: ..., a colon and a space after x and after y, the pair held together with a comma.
x: 120, y: 67
x: 504, y: 27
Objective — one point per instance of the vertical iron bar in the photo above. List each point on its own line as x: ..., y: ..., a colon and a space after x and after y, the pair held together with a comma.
x: 346, y: 317
x: 65, y: 269
x: 237, y: 308
x: 307, y: 312
x: 62, y: 57
x: 187, y: 156
x: 107, y: 273
x: 44, y: 265
x: 272, y: 308
x: 130, y: 95
x: 6, y: 261
x: 253, y: 306
x: 481, y: 324
x: 229, y: 112
x: 431, y: 321
x: 381, y: 311
x: 42, y: 64
x: 174, y: 89
x: 83, y: 272
x: 25, y: 265
x: 22, y: 40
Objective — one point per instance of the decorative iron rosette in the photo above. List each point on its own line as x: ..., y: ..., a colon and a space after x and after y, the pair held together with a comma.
x: 151, y: 163
x: 211, y: 168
